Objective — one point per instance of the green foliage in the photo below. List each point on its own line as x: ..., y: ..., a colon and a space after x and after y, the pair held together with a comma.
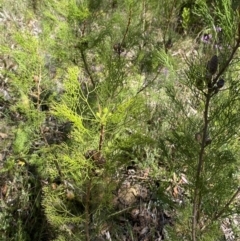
x: 186, y: 18
x: 21, y: 143
x: 104, y: 84
x: 77, y: 12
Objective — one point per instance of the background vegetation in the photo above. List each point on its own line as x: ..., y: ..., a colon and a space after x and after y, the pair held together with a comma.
x: 119, y: 120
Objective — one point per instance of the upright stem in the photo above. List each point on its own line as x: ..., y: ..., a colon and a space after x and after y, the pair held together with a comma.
x: 197, y: 190
x: 87, y: 210
x: 101, y: 138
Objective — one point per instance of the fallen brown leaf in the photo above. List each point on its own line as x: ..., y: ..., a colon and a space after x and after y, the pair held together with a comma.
x: 3, y: 135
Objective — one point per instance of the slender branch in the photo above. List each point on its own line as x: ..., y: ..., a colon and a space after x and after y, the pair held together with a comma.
x: 87, y: 68
x: 222, y: 211
x: 39, y: 88
x: 120, y: 212
x: 101, y: 138
x: 84, y: 57
x: 147, y: 84
x: 170, y: 14
x: 127, y: 29
x: 144, y: 16
x: 227, y: 205
x: 197, y: 191
x: 87, y: 210
x: 223, y: 69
